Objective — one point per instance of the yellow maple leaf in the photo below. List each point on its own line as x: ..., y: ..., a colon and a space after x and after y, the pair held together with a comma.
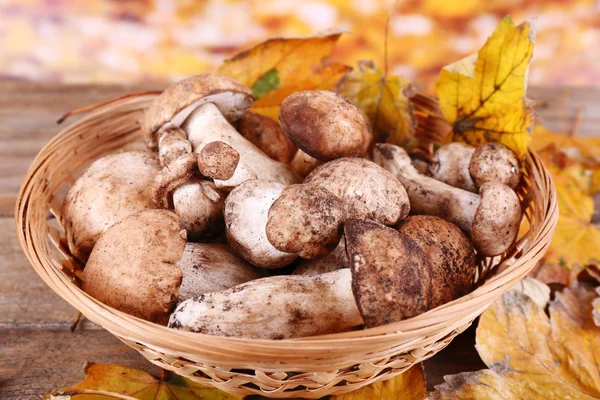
x: 531, y: 355
x: 409, y: 385
x: 278, y: 67
x: 483, y: 96
x: 105, y: 381
x: 384, y: 101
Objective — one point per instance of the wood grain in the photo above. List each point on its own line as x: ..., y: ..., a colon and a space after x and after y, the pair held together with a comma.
x: 38, y: 353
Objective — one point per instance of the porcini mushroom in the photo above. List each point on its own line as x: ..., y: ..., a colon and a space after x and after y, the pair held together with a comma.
x: 173, y: 144
x: 450, y: 164
x: 389, y: 280
x: 246, y: 216
x: 367, y: 190
x: 212, y: 267
x: 325, y: 125
x: 494, y: 162
x: 133, y: 266
x: 266, y: 134
x: 306, y: 220
x: 218, y: 160
x: 450, y: 254
x: 111, y: 188
x: 492, y: 218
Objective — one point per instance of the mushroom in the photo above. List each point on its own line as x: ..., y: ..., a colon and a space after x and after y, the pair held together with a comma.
x: 388, y: 281
x: 267, y: 135
x: 367, y: 190
x: 450, y: 164
x: 246, y: 216
x: 133, y: 266
x: 323, y: 124
x: 494, y: 162
x: 335, y: 260
x: 110, y: 189
x: 173, y: 144
x: 197, y: 202
x: 212, y: 267
x: 306, y: 220
x: 304, y: 164
x: 492, y: 218
x: 218, y: 160
x: 450, y: 254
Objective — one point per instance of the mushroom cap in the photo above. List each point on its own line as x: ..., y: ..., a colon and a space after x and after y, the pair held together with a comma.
x: 450, y: 164
x: 367, y: 190
x: 391, y: 276
x: 133, y: 267
x: 266, y: 134
x: 218, y: 160
x: 212, y: 267
x: 450, y: 253
x: 306, y: 220
x: 110, y: 189
x: 246, y: 216
x: 497, y: 219
x: 494, y: 162
x: 177, y: 102
x: 199, y: 205
x: 324, y: 124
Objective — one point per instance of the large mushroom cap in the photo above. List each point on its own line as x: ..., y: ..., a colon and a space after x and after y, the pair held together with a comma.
x: 450, y: 254
x: 367, y: 190
x: 110, y: 189
x: 133, y: 267
x: 494, y: 162
x: 324, y: 124
x: 178, y: 101
x: 391, y: 277
x: 497, y: 219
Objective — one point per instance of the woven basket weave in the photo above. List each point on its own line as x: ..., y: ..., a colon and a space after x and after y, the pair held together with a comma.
x: 308, y: 367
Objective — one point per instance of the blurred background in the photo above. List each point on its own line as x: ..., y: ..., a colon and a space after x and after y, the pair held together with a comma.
x: 159, y: 40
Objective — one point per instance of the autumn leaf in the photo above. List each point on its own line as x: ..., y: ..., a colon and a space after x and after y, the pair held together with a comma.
x: 409, y: 385
x: 278, y: 67
x: 483, y: 96
x: 384, y: 100
x: 105, y: 381
x: 531, y: 355
x: 585, y: 148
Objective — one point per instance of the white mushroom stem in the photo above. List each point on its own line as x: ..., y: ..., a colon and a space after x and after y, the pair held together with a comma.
x: 172, y: 145
x: 206, y: 124
x: 277, y: 307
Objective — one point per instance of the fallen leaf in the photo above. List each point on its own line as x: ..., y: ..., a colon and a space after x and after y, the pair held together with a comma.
x: 384, y: 100
x: 483, y: 95
x: 409, y: 385
x: 104, y: 381
x: 531, y: 355
x: 596, y: 305
x: 278, y: 67
x: 582, y: 148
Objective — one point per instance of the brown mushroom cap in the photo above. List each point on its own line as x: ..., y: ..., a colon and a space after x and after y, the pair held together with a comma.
x: 218, y: 160
x: 497, y: 219
x: 450, y: 255
x: 323, y: 124
x: 110, y: 189
x: 133, y: 267
x: 450, y: 164
x: 306, y: 220
x: 212, y: 267
x: 391, y: 276
x: 178, y: 101
x: 267, y: 135
x: 367, y: 190
x: 494, y: 162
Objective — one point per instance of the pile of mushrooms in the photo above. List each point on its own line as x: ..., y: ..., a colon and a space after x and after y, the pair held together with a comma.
x: 235, y: 224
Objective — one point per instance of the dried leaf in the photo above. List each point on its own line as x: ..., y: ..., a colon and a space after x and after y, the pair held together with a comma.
x: 580, y: 148
x: 384, y: 100
x: 483, y: 96
x: 596, y: 305
x: 105, y: 381
x: 278, y: 67
x: 531, y: 355
x: 407, y: 386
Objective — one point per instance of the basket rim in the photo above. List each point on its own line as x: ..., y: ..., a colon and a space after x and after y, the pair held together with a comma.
x: 161, y: 337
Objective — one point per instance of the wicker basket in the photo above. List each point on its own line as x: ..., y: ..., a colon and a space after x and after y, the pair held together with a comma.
x: 308, y: 367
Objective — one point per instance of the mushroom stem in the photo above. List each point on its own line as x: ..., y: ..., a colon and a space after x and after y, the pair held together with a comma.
x: 207, y: 124
x: 277, y: 307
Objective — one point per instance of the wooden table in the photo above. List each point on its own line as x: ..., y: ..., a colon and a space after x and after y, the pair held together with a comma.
x: 38, y: 352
